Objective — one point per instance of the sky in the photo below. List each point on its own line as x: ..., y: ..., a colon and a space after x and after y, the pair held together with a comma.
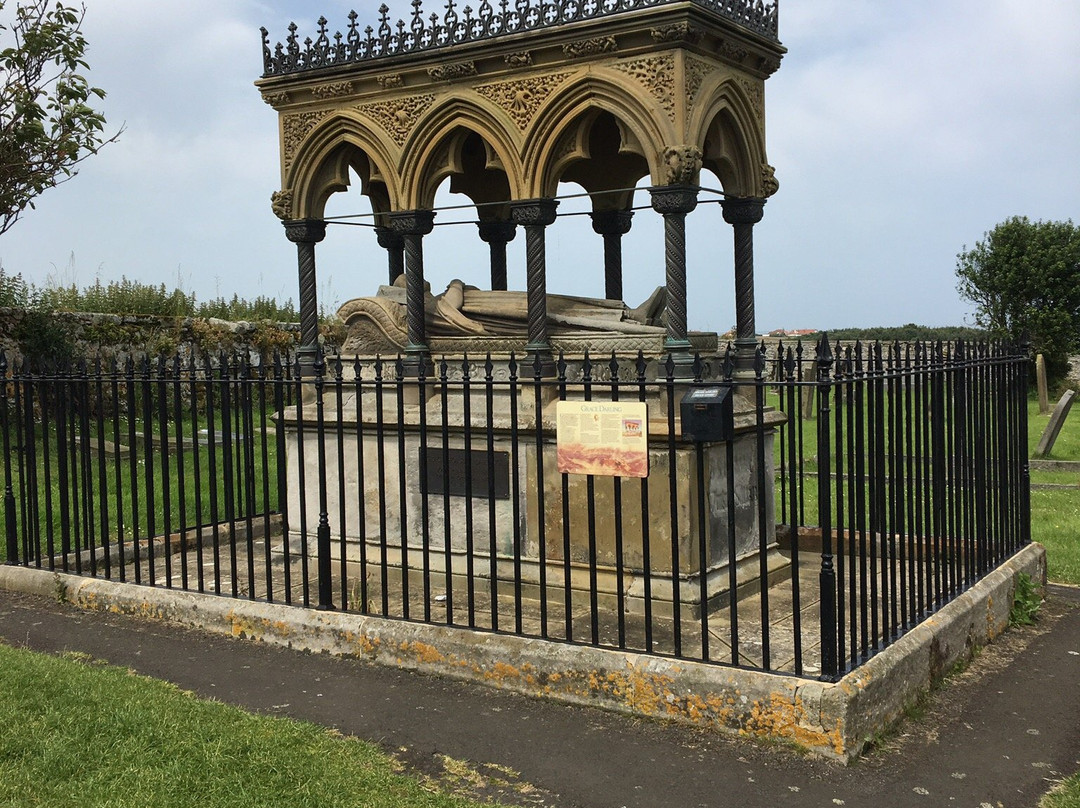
x: 901, y: 133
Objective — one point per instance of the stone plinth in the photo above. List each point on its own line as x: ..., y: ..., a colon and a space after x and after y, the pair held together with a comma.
x: 375, y: 496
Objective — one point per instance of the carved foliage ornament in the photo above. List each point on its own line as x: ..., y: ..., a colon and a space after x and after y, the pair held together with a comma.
x: 390, y: 80
x: 522, y: 98
x: 449, y: 72
x: 281, y: 203
x: 657, y: 74
x: 295, y: 128
x: 333, y: 90
x: 696, y: 72
x: 769, y: 184
x: 677, y: 32
x: 681, y: 164
x: 277, y: 99
x: 756, y: 94
x: 590, y: 47
x: 398, y: 117
x: 522, y: 59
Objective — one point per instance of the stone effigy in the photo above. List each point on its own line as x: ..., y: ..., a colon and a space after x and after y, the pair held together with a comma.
x: 377, y: 324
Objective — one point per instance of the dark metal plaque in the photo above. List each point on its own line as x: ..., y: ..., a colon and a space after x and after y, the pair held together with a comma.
x: 455, y: 473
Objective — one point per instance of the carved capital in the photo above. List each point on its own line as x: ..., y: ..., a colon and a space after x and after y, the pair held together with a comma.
x: 305, y: 231
x: 743, y: 210
x: 497, y: 231
x: 534, y: 212
x: 456, y: 70
x: 674, y: 198
x: 522, y: 59
x: 677, y: 32
x: 590, y: 47
x: 388, y: 239
x: 281, y: 203
x: 769, y: 184
x: 682, y: 164
x: 612, y: 222
x: 412, y: 222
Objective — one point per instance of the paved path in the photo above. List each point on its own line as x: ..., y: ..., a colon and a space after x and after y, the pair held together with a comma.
x: 998, y: 735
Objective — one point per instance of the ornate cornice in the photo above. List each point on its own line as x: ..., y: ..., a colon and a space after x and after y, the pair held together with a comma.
x: 489, y: 21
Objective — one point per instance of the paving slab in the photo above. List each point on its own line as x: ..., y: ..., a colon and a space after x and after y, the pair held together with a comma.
x: 998, y: 734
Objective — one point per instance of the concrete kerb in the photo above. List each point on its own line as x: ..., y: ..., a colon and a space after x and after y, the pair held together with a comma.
x: 831, y: 720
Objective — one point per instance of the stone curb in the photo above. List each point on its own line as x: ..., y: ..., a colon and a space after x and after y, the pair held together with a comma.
x: 830, y: 720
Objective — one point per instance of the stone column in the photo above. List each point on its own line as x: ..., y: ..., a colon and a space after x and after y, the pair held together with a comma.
x: 674, y: 202
x: 305, y: 234
x: 535, y: 215
x: 394, y: 244
x: 497, y: 233
x: 612, y: 225
x: 412, y: 226
x: 743, y: 214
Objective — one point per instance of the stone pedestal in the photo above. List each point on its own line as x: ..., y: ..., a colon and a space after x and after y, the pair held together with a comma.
x: 385, y: 499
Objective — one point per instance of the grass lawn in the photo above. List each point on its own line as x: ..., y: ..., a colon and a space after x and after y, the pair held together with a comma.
x: 94, y: 735
x: 1055, y: 513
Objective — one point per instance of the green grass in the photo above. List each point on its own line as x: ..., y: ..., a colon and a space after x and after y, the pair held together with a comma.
x: 1066, y: 795
x: 1055, y: 514
x: 92, y: 735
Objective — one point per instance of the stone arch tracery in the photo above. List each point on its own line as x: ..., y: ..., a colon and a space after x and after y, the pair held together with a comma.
x: 322, y: 163
x: 440, y: 145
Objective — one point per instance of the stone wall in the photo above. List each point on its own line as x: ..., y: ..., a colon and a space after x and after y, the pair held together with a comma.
x: 74, y: 336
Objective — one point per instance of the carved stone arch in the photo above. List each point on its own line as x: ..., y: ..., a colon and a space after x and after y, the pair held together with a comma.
x: 443, y: 145
x: 559, y: 134
x: 322, y: 163
x: 730, y: 129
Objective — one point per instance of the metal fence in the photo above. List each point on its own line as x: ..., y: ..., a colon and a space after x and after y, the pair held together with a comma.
x: 858, y: 489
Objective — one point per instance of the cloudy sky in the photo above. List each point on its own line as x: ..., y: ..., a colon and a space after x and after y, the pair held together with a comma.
x: 900, y: 132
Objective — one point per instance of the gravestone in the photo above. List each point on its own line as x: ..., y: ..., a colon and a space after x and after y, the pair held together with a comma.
x: 1057, y: 419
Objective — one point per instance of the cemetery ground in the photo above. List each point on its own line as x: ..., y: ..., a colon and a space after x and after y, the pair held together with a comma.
x: 1001, y: 731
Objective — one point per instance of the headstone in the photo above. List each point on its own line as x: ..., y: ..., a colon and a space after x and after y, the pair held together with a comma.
x: 1040, y: 380
x: 1057, y: 418
x: 808, y: 398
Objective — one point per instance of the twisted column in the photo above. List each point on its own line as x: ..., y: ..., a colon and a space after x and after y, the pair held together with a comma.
x: 412, y: 226
x: 674, y: 202
x: 394, y: 244
x: 743, y: 214
x: 535, y: 215
x: 497, y: 233
x: 612, y: 225
x: 305, y: 234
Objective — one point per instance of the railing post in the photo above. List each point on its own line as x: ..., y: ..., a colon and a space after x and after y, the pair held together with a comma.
x: 827, y: 577
x: 322, y: 534
x: 10, y: 525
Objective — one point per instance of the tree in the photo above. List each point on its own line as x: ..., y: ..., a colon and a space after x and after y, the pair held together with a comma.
x: 47, y: 126
x: 1024, y: 279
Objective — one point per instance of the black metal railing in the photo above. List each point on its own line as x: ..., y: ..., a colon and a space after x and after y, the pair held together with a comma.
x: 856, y: 490
x: 488, y: 22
